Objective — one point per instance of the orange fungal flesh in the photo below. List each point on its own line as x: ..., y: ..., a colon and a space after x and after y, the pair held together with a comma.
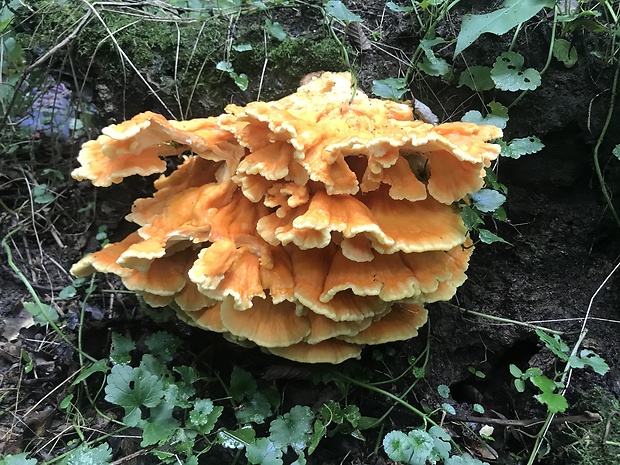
x: 310, y: 226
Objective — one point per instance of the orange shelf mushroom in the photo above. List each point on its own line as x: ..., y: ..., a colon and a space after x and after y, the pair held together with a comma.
x: 309, y: 226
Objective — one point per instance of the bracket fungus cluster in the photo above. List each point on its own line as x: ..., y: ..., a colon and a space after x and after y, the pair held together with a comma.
x: 309, y: 226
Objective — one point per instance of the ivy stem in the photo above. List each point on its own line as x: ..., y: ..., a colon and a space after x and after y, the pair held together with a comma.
x: 599, y: 142
x: 549, y: 57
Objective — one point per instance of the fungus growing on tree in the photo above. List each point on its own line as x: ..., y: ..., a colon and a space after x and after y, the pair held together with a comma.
x: 309, y: 226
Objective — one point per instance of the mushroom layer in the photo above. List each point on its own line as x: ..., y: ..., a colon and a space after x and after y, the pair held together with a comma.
x: 310, y: 226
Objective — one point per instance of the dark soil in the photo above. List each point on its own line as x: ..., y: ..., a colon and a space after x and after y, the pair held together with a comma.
x: 563, y: 247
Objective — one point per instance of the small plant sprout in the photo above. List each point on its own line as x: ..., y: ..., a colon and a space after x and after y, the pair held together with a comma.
x: 550, y: 388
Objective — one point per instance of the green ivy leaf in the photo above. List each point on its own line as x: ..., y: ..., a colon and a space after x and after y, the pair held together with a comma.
x: 563, y: 51
x: 399, y: 9
x: 242, y: 47
x: 41, y: 313
x: 422, y: 445
x: 132, y: 388
x: 85, y: 455
x: 498, y: 22
x: 463, y: 460
x: 498, y: 116
x: 390, y: 88
x: 293, y: 428
x: 19, y: 459
x: 397, y: 446
x: 441, y: 444
x: 204, y: 415
x: 448, y: 408
x: 508, y: 73
x: 262, y: 451
x: 478, y: 408
x: 522, y: 146
x: 616, y: 151
x: 487, y: 200
x: 100, y: 366
x: 488, y: 237
x: 336, y: 9
x: 275, y: 29
x: 432, y: 65
x: 477, y: 78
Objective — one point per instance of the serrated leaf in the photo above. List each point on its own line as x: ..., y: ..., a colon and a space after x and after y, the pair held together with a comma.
x: 477, y: 78
x: 275, y: 29
x: 441, y: 444
x: 41, y: 313
x: 120, y: 352
x: 155, y: 366
x: 318, y: 433
x: 254, y: 410
x: 616, y: 151
x: 293, y: 428
x: 160, y: 426
x: 508, y: 73
x: 587, y: 357
x: 498, y: 22
x: 554, y: 343
x: 521, y: 146
x: 487, y: 200
x: 488, y: 237
x: 236, y: 439
x: 338, y: 10
x: 422, y: 445
x: 471, y: 219
x: 85, y: 455
x: 132, y: 388
x: 498, y: 116
x: 262, y: 451
x: 390, y: 88
x: 448, y: 408
x: 443, y: 391
x: 163, y: 345
x: 18, y: 459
